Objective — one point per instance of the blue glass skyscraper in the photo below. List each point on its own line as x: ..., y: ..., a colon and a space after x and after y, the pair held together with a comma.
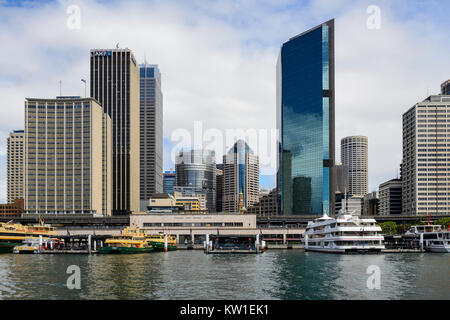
x: 305, y: 119
x: 151, y: 132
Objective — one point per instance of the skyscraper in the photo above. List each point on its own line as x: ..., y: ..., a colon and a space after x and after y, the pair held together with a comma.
x: 169, y: 181
x: 115, y: 84
x: 151, y: 131
x: 240, y: 177
x: 68, y: 157
x: 305, y: 119
x: 426, y: 161
x: 197, y: 169
x: 354, y: 155
x: 219, y: 190
x: 445, y: 88
x: 15, y: 166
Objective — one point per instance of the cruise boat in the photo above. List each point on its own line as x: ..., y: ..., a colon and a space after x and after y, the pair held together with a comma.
x: 131, y: 240
x: 437, y: 241
x: 13, y: 234
x: 346, y: 233
x: 158, y: 242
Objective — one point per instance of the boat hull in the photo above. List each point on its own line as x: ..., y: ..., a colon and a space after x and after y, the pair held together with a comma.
x: 159, y: 246
x: 346, y: 251
x: 124, y: 250
x: 7, y: 247
x: 439, y: 249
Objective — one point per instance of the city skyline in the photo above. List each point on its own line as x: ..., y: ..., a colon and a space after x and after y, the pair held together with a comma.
x: 252, y: 57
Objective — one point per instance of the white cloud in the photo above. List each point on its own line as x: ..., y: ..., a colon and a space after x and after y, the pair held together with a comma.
x: 218, y: 62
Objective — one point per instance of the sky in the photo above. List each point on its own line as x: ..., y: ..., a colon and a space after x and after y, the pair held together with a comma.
x: 218, y: 62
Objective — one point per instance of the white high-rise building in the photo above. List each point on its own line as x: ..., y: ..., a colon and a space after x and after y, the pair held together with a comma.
x: 354, y: 155
x: 16, y: 165
x: 426, y: 157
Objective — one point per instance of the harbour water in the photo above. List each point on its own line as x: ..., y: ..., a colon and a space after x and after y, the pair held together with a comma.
x: 273, y: 275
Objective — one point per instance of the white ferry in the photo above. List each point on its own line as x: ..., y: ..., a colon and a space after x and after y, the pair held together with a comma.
x: 346, y: 233
x: 433, y: 238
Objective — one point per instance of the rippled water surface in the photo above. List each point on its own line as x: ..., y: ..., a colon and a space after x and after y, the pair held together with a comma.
x: 195, y: 275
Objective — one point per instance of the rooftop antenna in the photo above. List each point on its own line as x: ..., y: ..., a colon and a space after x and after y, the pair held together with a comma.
x: 60, y: 88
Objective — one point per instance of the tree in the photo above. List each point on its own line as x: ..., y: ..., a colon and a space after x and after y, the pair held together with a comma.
x: 388, y: 228
x: 402, y: 228
x: 444, y: 222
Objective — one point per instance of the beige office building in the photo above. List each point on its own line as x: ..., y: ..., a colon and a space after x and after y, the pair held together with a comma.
x: 115, y: 84
x: 354, y: 155
x: 68, y: 157
x: 426, y: 157
x: 15, y: 166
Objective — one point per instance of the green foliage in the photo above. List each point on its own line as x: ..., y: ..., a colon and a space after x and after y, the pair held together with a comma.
x: 402, y: 228
x: 388, y: 227
x: 444, y: 222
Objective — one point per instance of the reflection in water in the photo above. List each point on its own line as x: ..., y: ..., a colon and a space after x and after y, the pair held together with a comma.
x: 194, y: 275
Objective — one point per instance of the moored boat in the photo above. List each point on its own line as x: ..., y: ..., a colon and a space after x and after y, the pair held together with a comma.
x: 346, y: 233
x: 158, y: 242
x: 131, y: 240
x: 13, y: 234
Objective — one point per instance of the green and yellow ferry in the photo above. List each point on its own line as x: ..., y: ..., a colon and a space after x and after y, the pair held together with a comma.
x: 131, y: 240
x: 13, y: 234
x: 157, y: 241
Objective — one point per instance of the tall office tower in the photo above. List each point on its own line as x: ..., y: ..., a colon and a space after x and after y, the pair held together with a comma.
x: 354, y: 155
x: 445, y: 88
x: 240, y: 177
x: 115, y: 84
x: 390, y: 195
x: 169, y: 181
x: 151, y: 126
x: 15, y: 166
x: 197, y: 168
x: 426, y: 161
x: 305, y: 120
x: 68, y: 157
x: 219, y: 190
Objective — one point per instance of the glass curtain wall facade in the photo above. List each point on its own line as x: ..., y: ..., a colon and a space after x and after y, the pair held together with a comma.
x: 197, y: 168
x: 305, y: 119
x: 151, y: 131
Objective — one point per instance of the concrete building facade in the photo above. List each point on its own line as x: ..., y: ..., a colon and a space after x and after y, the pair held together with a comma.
x: 115, y: 84
x: 390, y: 193
x: 426, y: 157
x: 370, y: 204
x: 68, y: 157
x: 15, y: 156
x: 354, y: 155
